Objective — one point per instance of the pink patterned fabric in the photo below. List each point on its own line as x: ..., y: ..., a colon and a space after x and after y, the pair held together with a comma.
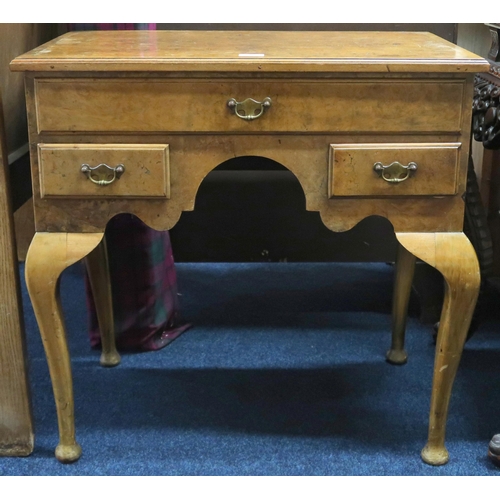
x: 144, y: 287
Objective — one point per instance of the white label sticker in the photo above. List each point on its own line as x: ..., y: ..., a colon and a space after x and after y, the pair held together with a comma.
x: 250, y: 55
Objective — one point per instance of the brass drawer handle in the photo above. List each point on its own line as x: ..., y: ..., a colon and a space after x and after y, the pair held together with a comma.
x: 395, y: 172
x: 249, y: 109
x: 101, y: 174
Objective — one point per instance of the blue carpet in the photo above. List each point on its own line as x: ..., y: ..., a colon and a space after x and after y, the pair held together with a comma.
x: 282, y: 374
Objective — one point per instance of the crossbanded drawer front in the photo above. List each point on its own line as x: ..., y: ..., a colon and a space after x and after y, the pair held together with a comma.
x: 385, y: 170
x: 148, y: 106
x: 104, y: 171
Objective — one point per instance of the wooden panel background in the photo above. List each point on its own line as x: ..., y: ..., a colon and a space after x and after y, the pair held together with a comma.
x: 16, y: 424
x: 16, y: 427
x: 15, y: 39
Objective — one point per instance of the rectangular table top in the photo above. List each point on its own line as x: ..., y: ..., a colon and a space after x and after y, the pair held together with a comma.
x: 255, y: 51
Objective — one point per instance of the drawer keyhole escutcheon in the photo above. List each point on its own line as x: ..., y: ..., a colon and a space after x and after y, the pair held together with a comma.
x: 102, y: 174
x: 249, y: 109
x: 395, y: 172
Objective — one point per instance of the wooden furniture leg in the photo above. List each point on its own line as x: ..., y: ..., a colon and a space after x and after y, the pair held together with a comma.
x: 49, y: 254
x: 405, y: 268
x: 16, y: 421
x: 453, y: 255
x: 98, y: 270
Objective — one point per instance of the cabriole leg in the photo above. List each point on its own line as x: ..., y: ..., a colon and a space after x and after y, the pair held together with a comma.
x: 49, y: 254
x: 98, y: 272
x: 453, y: 255
x: 405, y: 268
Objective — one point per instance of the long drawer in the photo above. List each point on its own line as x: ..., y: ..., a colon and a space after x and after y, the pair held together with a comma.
x: 87, y: 105
x: 104, y: 170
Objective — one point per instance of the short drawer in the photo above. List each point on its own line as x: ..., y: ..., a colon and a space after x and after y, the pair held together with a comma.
x: 154, y: 105
x: 382, y: 170
x: 90, y: 170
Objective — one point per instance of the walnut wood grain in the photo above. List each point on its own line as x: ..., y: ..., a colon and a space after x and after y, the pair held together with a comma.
x: 351, y: 169
x: 319, y: 51
x: 404, y: 271
x: 146, y: 170
x: 97, y: 265
x: 372, y: 91
x: 48, y: 256
x: 168, y: 105
x: 453, y: 255
x: 192, y: 158
x: 16, y: 421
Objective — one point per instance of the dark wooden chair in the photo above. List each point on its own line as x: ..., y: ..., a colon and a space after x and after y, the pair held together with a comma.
x: 486, y: 129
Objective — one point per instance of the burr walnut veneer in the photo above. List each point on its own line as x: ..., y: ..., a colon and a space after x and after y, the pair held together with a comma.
x: 369, y: 123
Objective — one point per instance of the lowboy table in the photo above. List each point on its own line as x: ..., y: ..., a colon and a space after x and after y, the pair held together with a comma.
x: 370, y: 124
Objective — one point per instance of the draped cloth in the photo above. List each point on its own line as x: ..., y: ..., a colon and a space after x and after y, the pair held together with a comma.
x: 141, y: 265
x: 144, y: 287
